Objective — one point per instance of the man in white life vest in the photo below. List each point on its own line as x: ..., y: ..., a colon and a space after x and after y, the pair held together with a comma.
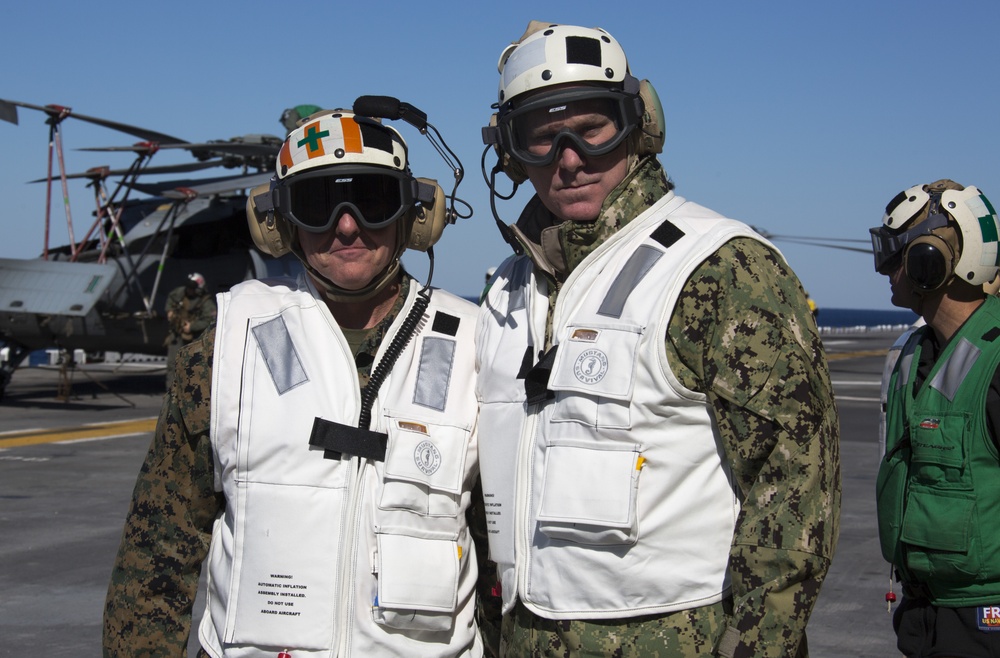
x: 317, y: 450
x: 659, y: 440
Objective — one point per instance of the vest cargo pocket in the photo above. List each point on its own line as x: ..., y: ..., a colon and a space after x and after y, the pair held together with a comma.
x: 424, y: 467
x: 938, y: 527
x: 593, y: 375
x: 417, y: 582
x: 589, y: 493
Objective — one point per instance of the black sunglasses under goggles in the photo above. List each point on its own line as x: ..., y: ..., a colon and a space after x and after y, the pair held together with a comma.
x: 315, y: 200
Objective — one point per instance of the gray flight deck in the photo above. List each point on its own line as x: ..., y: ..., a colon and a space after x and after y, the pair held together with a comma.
x: 63, y: 503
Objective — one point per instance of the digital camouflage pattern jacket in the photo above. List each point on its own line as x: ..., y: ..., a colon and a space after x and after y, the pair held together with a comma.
x: 742, y: 333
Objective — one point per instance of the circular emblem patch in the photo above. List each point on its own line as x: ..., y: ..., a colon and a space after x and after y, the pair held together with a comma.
x: 427, y: 457
x: 591, y: 366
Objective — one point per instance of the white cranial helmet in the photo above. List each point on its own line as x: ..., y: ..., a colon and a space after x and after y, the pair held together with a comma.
x: 557, y: 55
x: 340, y: 138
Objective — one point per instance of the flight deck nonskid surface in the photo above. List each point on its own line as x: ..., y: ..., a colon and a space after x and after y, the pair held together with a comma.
x: 65, y: 489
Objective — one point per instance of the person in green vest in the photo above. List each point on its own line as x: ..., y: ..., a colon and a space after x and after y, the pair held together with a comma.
x: 938, y: 487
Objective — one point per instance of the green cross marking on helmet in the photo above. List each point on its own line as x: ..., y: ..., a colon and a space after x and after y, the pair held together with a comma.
x: 312, y: 138
x: 988, y: 222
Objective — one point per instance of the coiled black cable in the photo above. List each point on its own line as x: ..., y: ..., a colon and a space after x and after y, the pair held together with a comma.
x: 406, y: 331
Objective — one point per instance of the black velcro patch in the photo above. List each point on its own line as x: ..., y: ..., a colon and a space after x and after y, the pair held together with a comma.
x: 445, y: 324
x: 991, y: 335
x: 376, y: 137
x: 337, y: 439
x: 667, y: 234
x: 527, y: 361
x: 536, y: 380
x: 583, y: 50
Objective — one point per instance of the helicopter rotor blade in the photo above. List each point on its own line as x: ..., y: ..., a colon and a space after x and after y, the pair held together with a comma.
x: 815, y: 242
x: 8, y: 112
x: 827, y: 245
x: 229, y: 148
x: 204, y: 187
x: 6, y: 106
x: 105, y: 172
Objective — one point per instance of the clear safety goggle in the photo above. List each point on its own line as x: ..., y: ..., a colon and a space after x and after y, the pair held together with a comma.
x: 315, y: 200
x: 888, y: 246
x: 530, y: 133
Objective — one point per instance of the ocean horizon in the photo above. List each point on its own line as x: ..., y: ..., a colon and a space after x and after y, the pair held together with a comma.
x: 840, y: 318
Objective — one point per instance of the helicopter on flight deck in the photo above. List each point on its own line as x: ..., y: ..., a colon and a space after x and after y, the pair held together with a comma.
x: 105, y: 290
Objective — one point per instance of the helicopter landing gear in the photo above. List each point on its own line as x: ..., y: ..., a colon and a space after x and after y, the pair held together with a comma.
x: 15, y: 355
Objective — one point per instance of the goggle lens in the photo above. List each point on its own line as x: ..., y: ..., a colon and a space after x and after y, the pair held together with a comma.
x: 316, y: 202
x: 593, y: 121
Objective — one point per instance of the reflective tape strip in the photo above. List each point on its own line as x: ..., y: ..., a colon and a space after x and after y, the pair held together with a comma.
x: 951, y: 375
x: 276, y: 347
x: 638, y: 265
x: 437, y: 356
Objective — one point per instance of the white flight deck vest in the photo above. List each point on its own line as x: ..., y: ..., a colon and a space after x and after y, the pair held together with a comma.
x: 349, y: 556
x: 623, y: 504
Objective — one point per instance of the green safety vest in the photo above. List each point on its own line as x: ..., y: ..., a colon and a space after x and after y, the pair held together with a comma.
x: 938, y: 486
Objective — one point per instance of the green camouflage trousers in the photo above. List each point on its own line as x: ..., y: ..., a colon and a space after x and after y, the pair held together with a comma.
x: 674, y: 635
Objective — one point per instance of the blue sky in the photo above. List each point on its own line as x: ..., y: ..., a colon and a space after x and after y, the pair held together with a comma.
x: 800, y: 118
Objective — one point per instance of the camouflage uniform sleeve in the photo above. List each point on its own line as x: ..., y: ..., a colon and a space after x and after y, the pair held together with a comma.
x: 205, y: 315
x: 743, y: 334
x: 174, y: 298
x: 168, y: 529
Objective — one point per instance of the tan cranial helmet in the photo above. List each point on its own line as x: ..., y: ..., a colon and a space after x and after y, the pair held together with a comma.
x: 554, y: 65
x: 938, y: 232
x: 335, y: 162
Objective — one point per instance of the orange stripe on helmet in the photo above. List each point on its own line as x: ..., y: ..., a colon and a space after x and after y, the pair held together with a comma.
x: 352, y: 135
x: 284, y: 157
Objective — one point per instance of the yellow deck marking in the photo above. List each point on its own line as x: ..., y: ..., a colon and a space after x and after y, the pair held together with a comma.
x: 855, y: 355
x: 94, y: 431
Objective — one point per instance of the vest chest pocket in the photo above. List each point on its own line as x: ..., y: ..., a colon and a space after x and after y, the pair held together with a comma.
x: 424, y: 467
x: 574, y: 508
x: 593, y: 375
x: 938, y: 445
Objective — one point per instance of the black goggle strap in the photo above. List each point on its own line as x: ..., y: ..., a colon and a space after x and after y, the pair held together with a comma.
x: 886, y: 246
x: 422, y: 192
x: 266, y: 202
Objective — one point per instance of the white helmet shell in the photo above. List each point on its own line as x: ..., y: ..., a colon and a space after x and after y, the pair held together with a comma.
x: 560, y: 54
x: 977, y: 221
x: 914, y: 200
x: 339, y: 138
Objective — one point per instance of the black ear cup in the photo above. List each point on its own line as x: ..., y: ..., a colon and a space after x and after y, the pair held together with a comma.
x: 929, y: 262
